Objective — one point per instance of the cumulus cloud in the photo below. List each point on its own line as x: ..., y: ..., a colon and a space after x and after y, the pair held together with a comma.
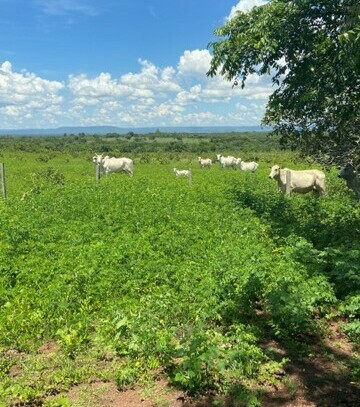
x: 195, y: 62
x: 151, y: 81
x: 247, y: 113
x: 218, y: 90
x: 148, y: 96
x: 152, y: 78
x: 24, y: 95
x: 257, y: 87
x: 101, y: 86
x: 245, y: 6
x: 135, y: 97
x: 202, y: 118
x: 187, y: 97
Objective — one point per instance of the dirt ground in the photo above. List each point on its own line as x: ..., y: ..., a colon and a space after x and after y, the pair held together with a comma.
x: 316, y: 377
x: 322, y: 378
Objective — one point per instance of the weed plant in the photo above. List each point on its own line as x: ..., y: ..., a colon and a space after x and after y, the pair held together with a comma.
x: 163, y: 275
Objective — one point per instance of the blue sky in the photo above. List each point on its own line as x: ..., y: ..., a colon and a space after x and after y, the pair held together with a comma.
x: 119, y: 62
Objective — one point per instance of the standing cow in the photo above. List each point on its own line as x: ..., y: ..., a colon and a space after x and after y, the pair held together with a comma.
x: 298, y: 181
x: 204, y: 162
x: 228, y: 161
x: 251, y: 166
x: 351, y: 176
x: 112, y: 164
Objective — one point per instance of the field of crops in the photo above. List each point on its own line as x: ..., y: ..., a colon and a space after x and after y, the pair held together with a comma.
x: 129, y: 276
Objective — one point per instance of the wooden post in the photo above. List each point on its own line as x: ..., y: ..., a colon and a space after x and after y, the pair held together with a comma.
x: 190, y: 178
x: 2, y: 180
x: 288, y: 181
x: 97, y: 172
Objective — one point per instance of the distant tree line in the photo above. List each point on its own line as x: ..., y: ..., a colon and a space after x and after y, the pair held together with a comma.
x: 133, y: 143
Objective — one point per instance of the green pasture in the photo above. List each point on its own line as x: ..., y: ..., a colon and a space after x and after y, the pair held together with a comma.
x: 22, y: 167
x: 150, y: 272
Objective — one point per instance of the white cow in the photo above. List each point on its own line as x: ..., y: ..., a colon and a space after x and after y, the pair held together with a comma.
x: 182, y: 173
x: 204, y: 162
x: 246, y: 166
x: 351, y: 176
x: 228, y: 161
x: 300, y: 181
x: 112, y: 164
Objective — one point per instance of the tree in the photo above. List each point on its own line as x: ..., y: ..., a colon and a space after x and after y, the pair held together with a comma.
x: 312, y: 51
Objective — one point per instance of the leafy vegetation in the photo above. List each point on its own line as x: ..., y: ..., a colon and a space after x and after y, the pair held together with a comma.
x: 126, y: 277
x: 312, y: 51
x: 133, y: 143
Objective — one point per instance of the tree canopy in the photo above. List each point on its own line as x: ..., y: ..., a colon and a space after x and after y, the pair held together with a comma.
x: 311, y: 49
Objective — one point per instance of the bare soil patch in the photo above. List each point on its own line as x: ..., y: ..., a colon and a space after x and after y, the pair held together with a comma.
x: 319, y: 375
x: 102, y: 394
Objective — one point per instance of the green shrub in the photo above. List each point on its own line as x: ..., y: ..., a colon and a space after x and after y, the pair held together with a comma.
x: 166, y: 275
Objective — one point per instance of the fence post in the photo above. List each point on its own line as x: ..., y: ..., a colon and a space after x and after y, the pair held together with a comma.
x: 288, y: 181
x: 2, y: 180
x: 190, y: 178
x: 97, y: 172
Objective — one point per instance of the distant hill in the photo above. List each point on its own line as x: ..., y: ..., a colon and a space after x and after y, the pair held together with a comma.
x: 124, y: 130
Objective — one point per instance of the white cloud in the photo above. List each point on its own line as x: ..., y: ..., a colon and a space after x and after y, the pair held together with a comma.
x: 217, y: 89
x: 195, y: 62
x: 152, y: 78
x: 5, y: 68
x: 66, y: 7
x: 151, y: 82
x: 257, y: 87
x: 245, y: 6
x: 101, y: 86
x: 187, y: 97
x: 23, y: 95
x: 248, y: 113
x: 150, y: 96
x: 202, y: 118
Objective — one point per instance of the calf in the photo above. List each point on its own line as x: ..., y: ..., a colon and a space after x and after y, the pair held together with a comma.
x: 182, y: 173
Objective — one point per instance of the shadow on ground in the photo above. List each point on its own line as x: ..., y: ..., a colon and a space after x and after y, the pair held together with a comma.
x: 318, y: 373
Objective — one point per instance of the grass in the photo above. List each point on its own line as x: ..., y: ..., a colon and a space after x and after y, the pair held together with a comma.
x: 114, y: 280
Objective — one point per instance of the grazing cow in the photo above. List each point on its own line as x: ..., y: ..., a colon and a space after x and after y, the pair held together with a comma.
x: 246, y: 166
x: 114, y: 164
x: 300, y: 181
x: 351, y: 176
x: 182, y: 173
x: 228, y: 161
x: 204, y: 162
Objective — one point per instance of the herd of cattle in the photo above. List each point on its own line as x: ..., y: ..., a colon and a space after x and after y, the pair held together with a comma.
x: 288, y: 180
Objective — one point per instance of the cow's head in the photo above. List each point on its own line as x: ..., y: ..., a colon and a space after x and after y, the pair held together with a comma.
x: 97, y: 159
x: 274, y: 172
x: 347, y: 172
